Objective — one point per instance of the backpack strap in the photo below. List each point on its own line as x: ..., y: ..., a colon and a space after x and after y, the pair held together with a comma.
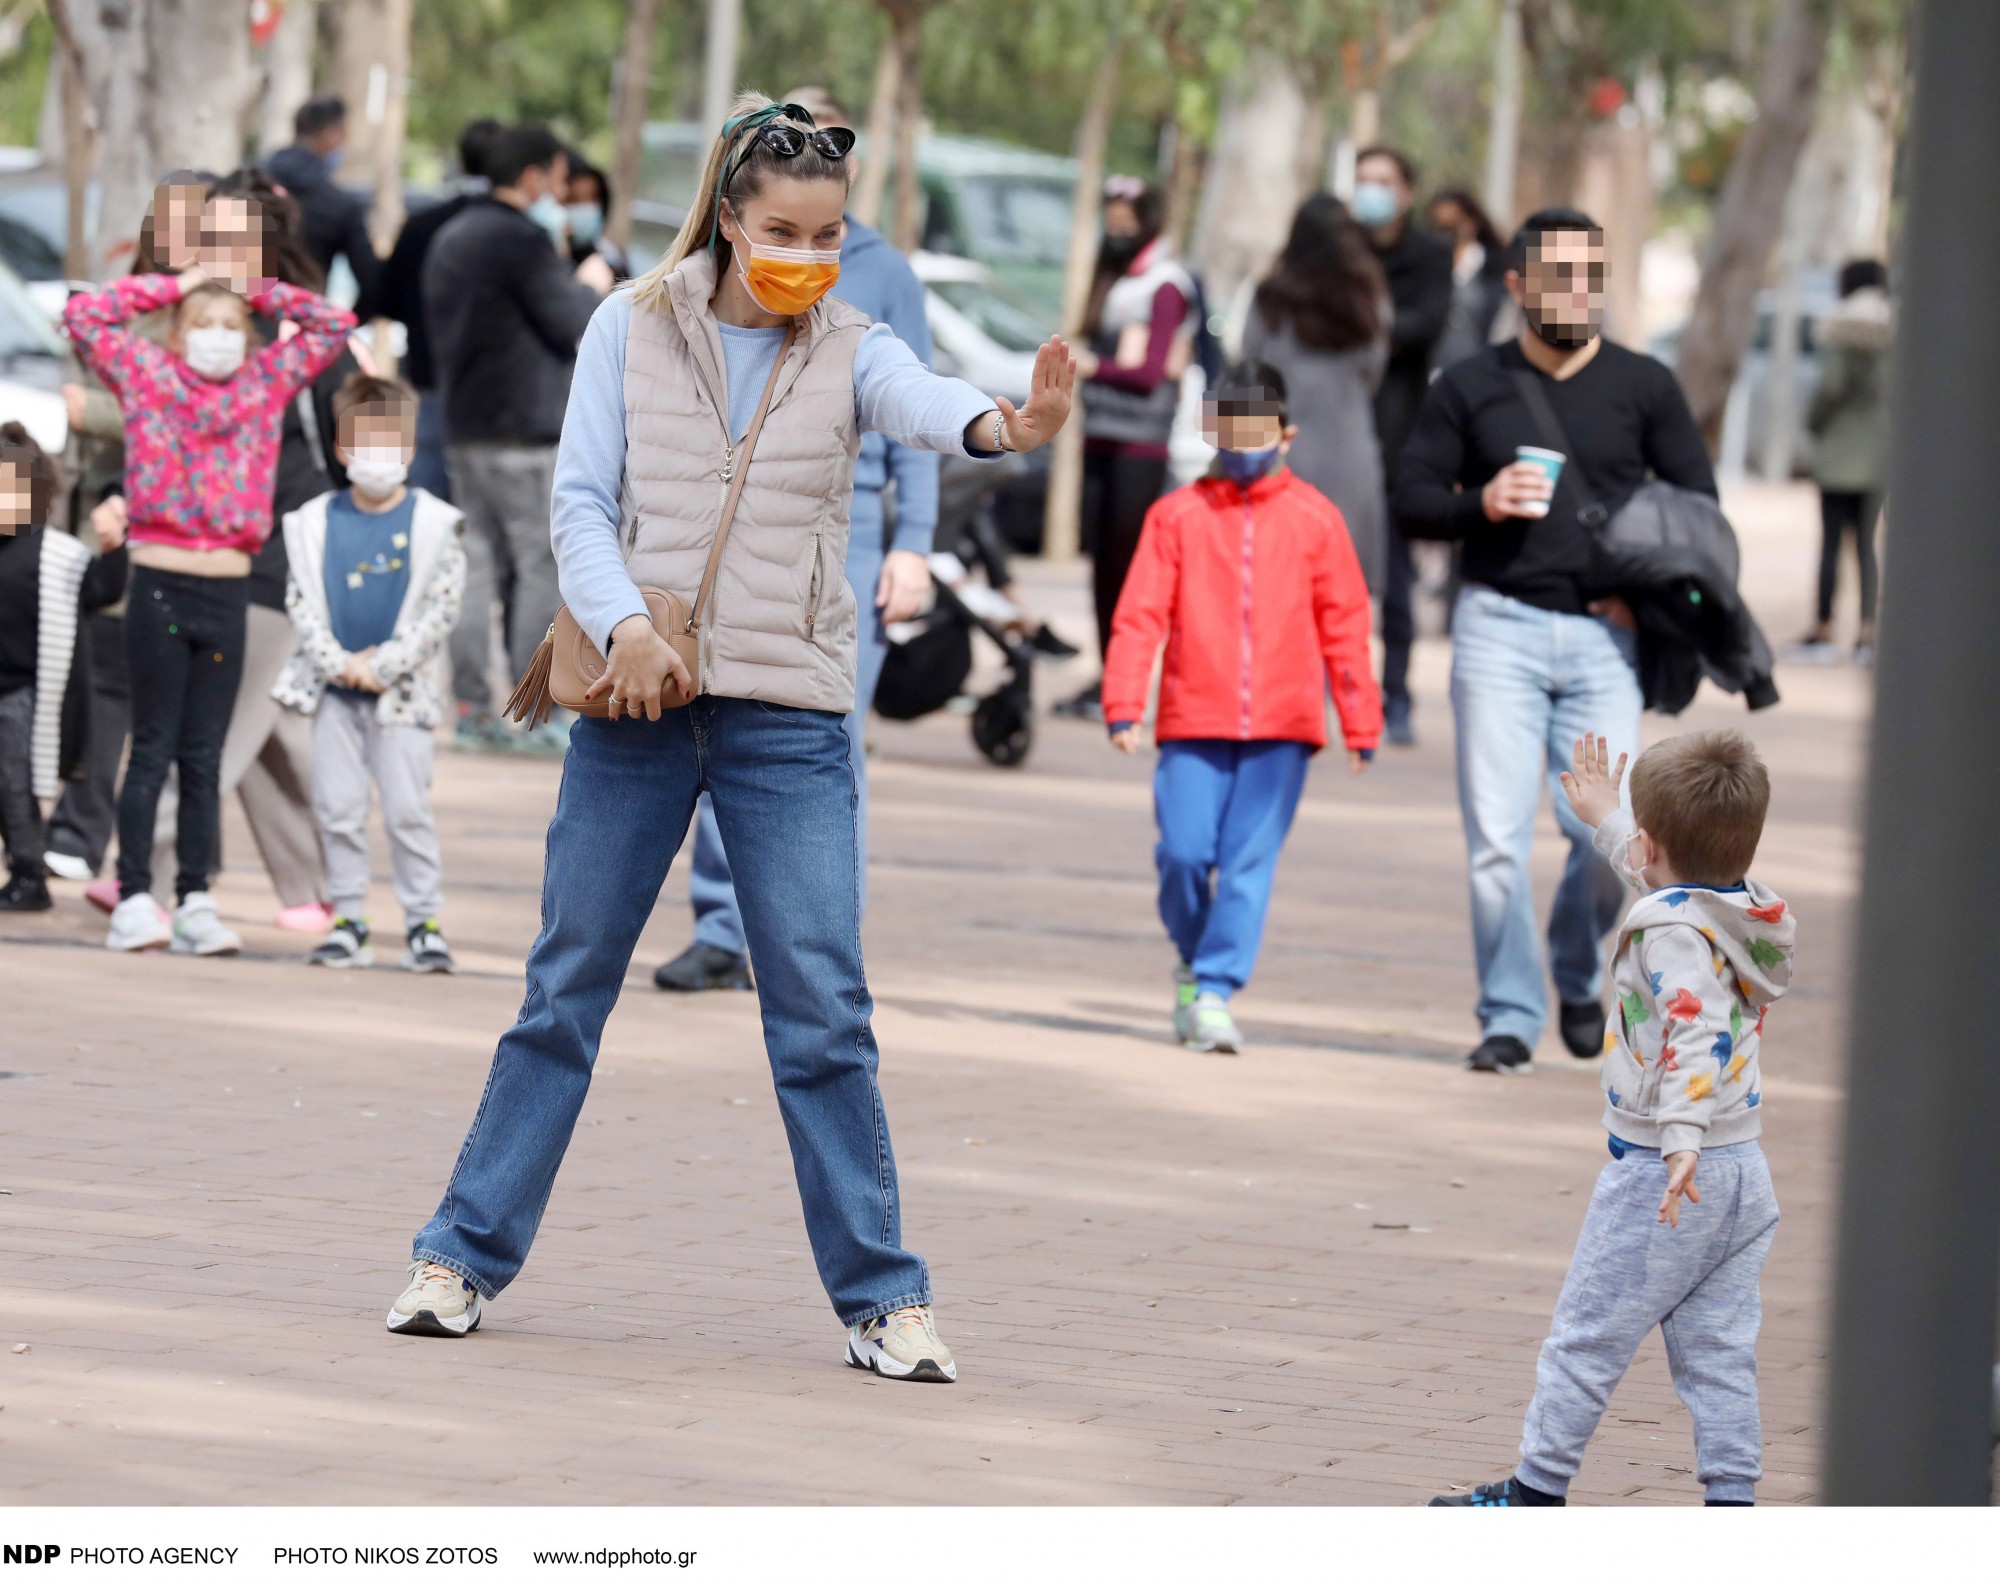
x: 1591, y: 513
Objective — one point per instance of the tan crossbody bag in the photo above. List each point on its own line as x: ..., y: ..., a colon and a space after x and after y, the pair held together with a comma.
x: 567, y: 664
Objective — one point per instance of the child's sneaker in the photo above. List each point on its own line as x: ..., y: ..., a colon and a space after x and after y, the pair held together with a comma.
x: 426, y: 951
x: 26, y: 892
x: 1205, y: 1025
x: 199, y: 929
x: 1510, y: 1492
x: 346, y: 946
x: 137, y: 923
x: 437, y: 1301
x: 902, y: 1345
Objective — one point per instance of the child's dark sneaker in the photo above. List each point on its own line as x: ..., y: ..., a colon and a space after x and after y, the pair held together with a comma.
x: 1510, y: 1492
x: 424, y: 950
x: 26, y: 893
x: 1503, y: 1053
x: 346, y: 946
x: 1583, y: 1029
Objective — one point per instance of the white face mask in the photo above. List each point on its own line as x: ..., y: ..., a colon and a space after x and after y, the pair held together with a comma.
x: 1622, y: 863
x: 215, y: 352
x: 376, y: 472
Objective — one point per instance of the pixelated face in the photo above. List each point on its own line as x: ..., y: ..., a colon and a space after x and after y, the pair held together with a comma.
x: 234, y: 243
x: 1562, y: 291
x: 177, y: 225
x: 374, y: 430
x: 17, y: 498
x: 1253, y: 424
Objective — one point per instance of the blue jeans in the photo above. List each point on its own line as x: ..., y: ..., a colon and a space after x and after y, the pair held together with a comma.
x: 1224, y: 809
x: 718, y: 921
x: 784, y: 792
x: 1525, y: 684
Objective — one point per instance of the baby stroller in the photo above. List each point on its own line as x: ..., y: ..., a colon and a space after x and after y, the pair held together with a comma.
x: 929, y: 658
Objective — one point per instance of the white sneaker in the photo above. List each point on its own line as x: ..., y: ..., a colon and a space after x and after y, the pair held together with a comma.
x: 437, y: 1301
x: 1205, y: 1025
x: 62, y: 865
x: 902, y: 1345
x: 138, y: 924
x: 199, y: 931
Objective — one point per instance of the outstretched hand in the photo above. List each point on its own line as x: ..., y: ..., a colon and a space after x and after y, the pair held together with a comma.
x: 1592, y: 784
x: 1050, y: 394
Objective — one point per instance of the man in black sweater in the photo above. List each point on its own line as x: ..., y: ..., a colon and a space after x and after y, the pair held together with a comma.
x: 504, y: 310
x: 335, y: 221
x: 402, y: 298
x: 1543, y: 649
x: 1417, y: 263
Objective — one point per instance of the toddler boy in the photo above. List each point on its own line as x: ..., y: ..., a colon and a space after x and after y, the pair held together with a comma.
x: 377, y: 572
x: 1701, y: 956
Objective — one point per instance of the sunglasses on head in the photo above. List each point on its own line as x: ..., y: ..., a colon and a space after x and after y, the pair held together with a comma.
x: 787, y: 142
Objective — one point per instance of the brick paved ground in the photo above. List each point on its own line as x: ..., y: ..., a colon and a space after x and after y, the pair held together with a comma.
x: 1316, y: 1273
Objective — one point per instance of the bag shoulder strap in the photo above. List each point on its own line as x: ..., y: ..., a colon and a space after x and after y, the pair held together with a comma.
x: 739, y: 462
x: 1591, y: 513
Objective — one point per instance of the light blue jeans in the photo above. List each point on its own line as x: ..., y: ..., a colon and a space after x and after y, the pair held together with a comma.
x: 1697, y: 1282
x: 785, y: 796
x: 1525, y: 684
x: 1224, y: 809
x: 718, y: 920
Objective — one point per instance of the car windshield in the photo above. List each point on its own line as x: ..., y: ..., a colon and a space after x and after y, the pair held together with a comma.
x: 1015, y: 219
x: 24, y: 329
x: 1008, y: 322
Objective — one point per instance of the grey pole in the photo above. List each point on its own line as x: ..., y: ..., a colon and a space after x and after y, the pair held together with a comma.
x: 1919, y: 1270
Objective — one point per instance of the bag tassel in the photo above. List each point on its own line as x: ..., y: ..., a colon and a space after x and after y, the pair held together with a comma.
x: 530, y: 702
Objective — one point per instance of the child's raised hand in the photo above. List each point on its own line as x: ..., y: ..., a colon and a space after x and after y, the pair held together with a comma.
x: 1680, y: 1183
x: 1592, y: 785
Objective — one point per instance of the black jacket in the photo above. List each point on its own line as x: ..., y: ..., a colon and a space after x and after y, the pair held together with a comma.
x: 1673, y: 555
x: 1418, y: 265
x: 335, y: 220
x: 402, y: 293
x: 504, y: 313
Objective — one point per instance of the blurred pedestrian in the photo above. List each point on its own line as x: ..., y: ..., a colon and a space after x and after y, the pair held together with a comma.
x: 1418, y: 265
x: 48, y: 581
x: 1542, y: 652
x: 377, y: 571
x: 402, y: 299
x: 1251, y: 561
x: 203, y: 417
x: 587, y: 203
x: 890, y: 581
x: 1136, y: 325
x: 1321, y: 318
x: 1478, y: 274
x: 505, y: 309
x: 730, y: 336
x: 1849, y: 422
x: 335, y: 221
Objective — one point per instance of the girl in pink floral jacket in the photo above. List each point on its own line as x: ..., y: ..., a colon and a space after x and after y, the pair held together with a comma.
x: 204, y: 415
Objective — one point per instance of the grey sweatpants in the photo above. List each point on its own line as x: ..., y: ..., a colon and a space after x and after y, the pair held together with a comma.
x: 22, y: 831
x: 351, y: 748
x: 1697, y: 1281
x: 505, y: 492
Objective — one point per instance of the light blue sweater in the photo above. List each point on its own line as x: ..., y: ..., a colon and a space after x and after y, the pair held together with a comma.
x: 894, y: 395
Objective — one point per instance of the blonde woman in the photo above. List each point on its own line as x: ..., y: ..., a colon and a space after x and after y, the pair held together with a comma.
x: 667, y: 379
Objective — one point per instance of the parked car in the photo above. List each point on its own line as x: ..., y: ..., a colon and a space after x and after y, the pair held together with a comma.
x: 34, y: 224
x: 31, y: 366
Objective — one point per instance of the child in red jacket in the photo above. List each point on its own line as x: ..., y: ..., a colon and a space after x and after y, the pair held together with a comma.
x: 1250, y: 580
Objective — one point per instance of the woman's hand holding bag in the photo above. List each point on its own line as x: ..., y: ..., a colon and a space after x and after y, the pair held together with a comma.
x: 636, y: 674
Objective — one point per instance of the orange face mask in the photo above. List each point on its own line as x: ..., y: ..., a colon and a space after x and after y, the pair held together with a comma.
x: 786, y: 280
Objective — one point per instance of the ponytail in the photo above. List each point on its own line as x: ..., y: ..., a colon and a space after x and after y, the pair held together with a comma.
x: 744, y: 175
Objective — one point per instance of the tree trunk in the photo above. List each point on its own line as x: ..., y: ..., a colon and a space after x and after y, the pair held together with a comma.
x: 1184, y: 167
x: 1615, y: 187
x: 906, y: 28
x: 79, y: 159
x: 1503, y: 134
x: 1252, y: 183
x: 1062, y: 525
x: 719, y: 63
x: 635, y: 82
x: 168, y: 82
x: 1364, y: 117
x: 1750, y: 216
x: 288, y: 73
x: 874, y: 180
x: 385, y: 217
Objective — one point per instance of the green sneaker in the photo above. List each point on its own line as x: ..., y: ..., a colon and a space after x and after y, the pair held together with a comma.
x: 1205, y: 1025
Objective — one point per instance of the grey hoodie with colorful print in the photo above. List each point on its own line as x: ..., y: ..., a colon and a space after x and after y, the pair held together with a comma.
x: 1695, y: 971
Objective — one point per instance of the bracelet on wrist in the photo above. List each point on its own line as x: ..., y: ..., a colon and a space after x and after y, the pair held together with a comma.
x: 1000, y: 434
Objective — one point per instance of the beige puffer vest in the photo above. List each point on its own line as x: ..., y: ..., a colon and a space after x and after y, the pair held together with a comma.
x: 780, y: 624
